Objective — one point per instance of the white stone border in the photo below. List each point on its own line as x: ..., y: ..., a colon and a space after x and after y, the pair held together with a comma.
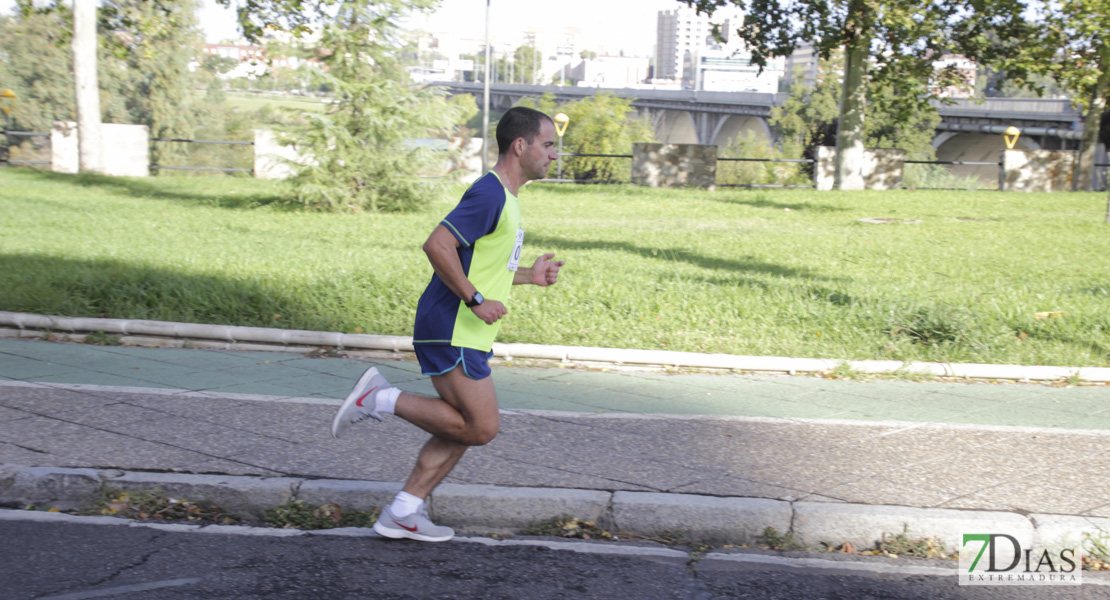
x: 260, y: 338
x: 488, y: 509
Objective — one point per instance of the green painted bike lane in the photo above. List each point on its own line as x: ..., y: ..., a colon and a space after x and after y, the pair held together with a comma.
x: 578, y: 390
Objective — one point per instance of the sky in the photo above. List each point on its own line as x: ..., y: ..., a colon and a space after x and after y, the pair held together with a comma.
x: 614, y: 24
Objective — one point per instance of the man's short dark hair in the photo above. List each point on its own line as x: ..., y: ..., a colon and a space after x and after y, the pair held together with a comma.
x: 519, y: 122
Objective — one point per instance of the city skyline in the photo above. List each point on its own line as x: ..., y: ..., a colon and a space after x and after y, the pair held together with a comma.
x: 608, y: 26
x: 592, y: 22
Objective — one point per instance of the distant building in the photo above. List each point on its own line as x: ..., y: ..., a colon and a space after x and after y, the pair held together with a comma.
x: 690, y: 55
x: 683, y: 31
x: 726, y: 66
x: 253, y: 61
x: 966, y: 68
x: 611, y: 71
x: 801, y: 64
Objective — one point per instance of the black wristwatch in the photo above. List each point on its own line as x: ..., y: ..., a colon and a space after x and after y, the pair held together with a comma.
x: 475, y: 300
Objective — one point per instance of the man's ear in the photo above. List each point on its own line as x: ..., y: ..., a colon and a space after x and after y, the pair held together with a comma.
x: 519, y: 144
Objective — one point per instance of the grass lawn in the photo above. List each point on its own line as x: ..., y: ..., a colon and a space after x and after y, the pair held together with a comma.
x: 953, y: 276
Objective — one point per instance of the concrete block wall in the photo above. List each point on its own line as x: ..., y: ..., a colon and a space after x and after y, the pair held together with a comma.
x: 126, y: 149
x: 127, y: 153
x: 674, y: 165
x: 1037, y: 170
x: 272, y: 160
x: 882, y: 168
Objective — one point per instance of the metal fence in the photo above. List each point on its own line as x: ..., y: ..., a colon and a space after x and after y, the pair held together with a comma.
x: 944, y: 179
x: 41, y: 151
x: 723, y: 175
x: 35, y: 152
x: 154, y: 167
x: 561, y: 165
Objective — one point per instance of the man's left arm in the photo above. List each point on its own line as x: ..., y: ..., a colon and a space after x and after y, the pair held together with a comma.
x: 544, y: 272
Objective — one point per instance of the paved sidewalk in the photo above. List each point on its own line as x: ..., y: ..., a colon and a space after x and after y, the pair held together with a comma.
x: 840, y: 450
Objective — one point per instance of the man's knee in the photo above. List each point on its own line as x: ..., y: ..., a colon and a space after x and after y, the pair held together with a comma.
x: 482, y: 433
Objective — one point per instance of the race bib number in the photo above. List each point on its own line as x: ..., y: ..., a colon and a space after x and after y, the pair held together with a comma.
x: 514, y: 258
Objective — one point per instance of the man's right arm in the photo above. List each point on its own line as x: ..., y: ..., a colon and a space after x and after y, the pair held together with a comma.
x: 442, y: 251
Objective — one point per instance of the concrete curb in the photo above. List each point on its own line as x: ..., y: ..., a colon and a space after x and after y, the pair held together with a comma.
x: 160, y: 333
x: 487, y: 509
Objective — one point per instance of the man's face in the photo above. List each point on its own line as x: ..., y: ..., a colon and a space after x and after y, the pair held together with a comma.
x: 540, y: 153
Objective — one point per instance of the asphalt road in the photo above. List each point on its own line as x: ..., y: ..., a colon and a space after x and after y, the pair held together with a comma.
x: 76, y: 560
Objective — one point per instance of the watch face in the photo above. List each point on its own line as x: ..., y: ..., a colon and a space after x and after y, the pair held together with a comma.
x: 478, y: 299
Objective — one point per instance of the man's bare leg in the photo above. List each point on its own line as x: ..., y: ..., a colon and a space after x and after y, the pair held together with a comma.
x: 464, y: 415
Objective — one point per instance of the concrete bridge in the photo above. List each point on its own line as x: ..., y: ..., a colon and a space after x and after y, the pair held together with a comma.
x: 968, y: 131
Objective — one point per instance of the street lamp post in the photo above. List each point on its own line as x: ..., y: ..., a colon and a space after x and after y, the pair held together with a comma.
x: 485, y: 102
x: 561, y: 122
x: 7, y: 101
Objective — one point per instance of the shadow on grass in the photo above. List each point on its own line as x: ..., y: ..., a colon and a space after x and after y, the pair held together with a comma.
x: 763, y: 201
x: 548, y: 244
x: 220, y: 192
x: 116, y: 289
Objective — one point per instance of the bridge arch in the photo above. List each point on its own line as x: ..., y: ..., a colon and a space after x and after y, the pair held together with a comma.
x: 732, y: 127
x: 976, y: 147
x: 675, y: 127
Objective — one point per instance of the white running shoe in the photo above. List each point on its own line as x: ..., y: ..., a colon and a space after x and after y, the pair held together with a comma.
x: 359, y: 404
x: 416, y: 526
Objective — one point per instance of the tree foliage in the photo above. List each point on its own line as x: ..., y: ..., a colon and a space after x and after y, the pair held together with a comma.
x: 144, y: 52
x: 153, y: 43
x: 360, y: 153
x: 1079, y: 29
x: 600, y: 124
x: 37, y: 66
x: 808, y: 117
x: 892, y: 43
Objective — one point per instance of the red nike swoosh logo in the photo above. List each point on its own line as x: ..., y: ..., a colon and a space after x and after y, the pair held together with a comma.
x: 412, y: 529
x: 360, y: 398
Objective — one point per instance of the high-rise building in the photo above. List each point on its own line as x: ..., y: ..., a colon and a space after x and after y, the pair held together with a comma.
x: 683, y: 30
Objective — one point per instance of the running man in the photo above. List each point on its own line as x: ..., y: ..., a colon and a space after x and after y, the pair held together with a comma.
x: 475, y: 253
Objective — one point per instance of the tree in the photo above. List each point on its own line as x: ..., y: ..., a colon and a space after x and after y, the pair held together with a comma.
x: 90, y: 145
x: 807, y: 118
x: 37, y: 66
x: 297, y: 16
x: 1078, y: 28
x: 156, y: 42
x: 891, y: 42
x: 600, y: 124
x: 360, y: 154
x: 527, y: 60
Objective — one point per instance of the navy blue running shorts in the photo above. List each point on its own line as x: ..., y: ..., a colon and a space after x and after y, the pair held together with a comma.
x: 438, y: 359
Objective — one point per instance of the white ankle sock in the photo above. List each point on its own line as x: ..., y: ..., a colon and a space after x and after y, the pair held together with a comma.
x: 405, y: 504
x: 385, y: 401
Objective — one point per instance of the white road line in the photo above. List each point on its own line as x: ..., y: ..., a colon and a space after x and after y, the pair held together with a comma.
x: 126, y: 589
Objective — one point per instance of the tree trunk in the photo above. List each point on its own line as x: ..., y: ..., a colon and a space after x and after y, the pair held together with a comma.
x: 1083, y: 178
x: 853, y: 101
x: 90, y: 147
